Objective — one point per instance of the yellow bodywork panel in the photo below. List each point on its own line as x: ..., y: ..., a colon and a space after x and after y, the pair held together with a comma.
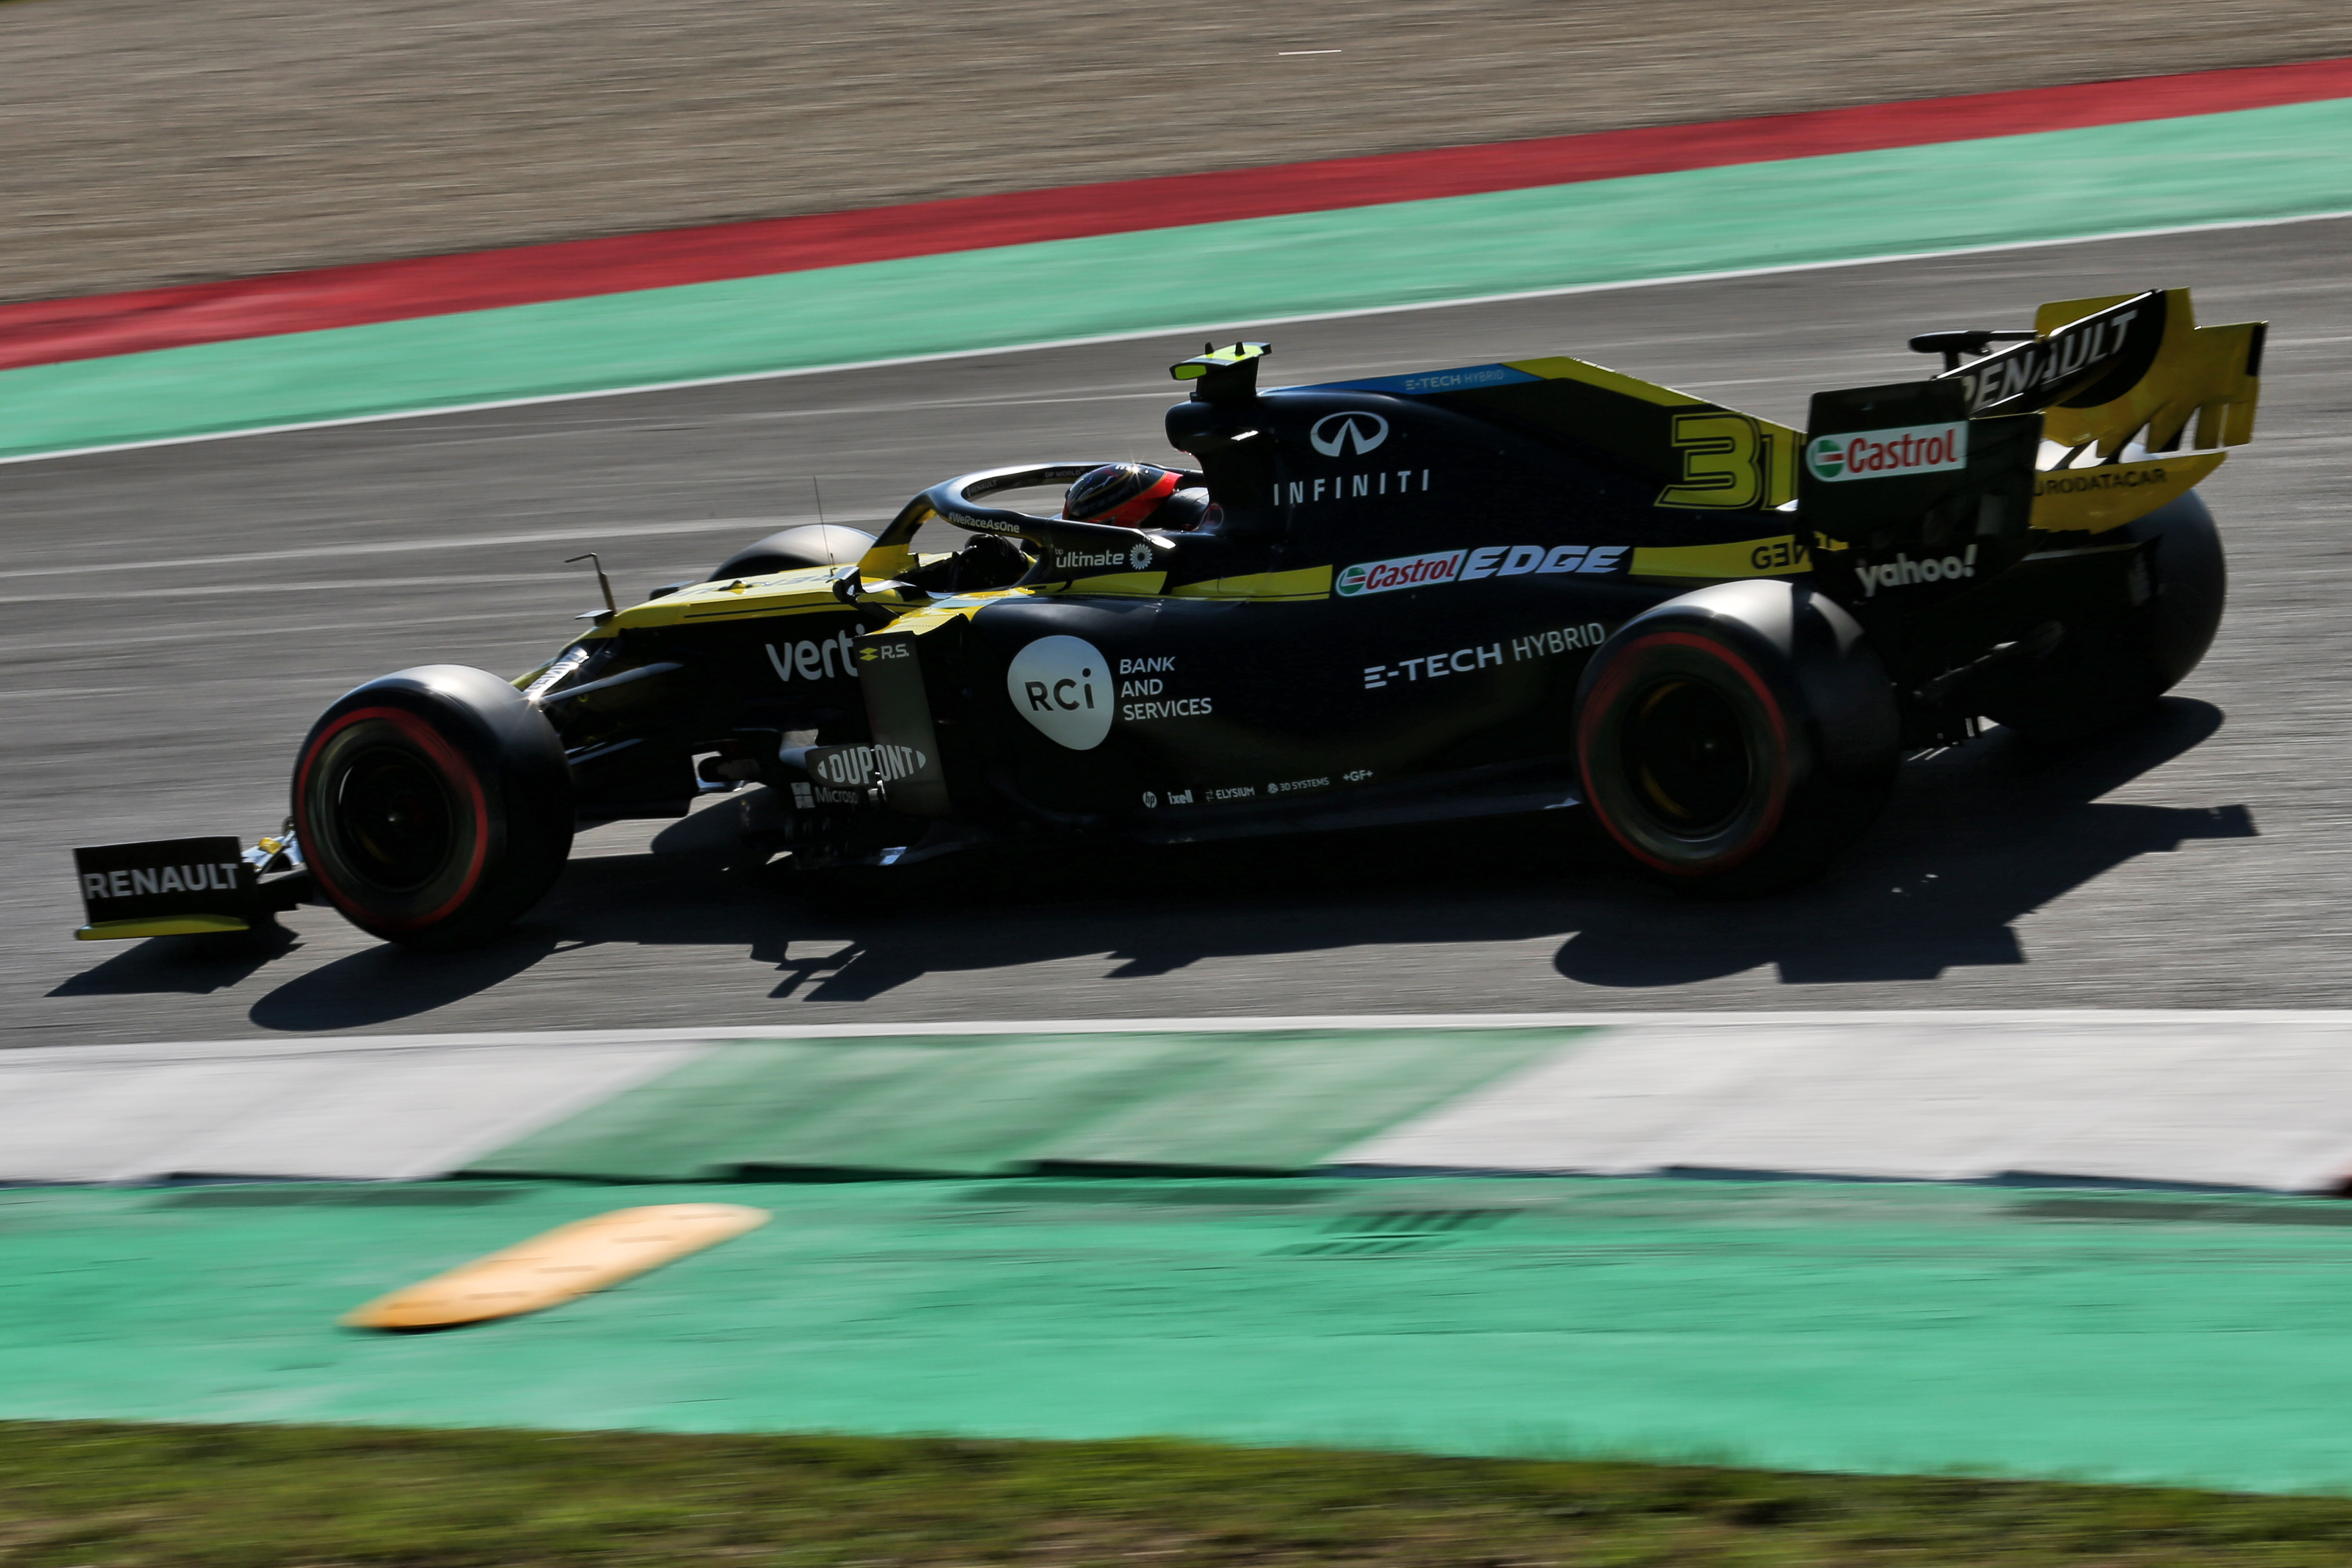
x: 2092, y: 500
x: 161, y: 925
x: 567, y: 1262
x: 939, y: 612
x: 2200, y: 390
x: 1779, y: 556
x: 1124, y: 584
x: 807, y: 591
x: 1560, y: 367
x: 2198, y: 372
x: 738, y: 599
x: 1304, y: 583
x: 886, y: 561
x: 1732, y: 462
x: 1728, y: 462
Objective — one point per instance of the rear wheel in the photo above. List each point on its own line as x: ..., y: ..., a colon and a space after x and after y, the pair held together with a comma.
x: 434, y: 805
x: 2112, y: 666
x: 1738, y: 737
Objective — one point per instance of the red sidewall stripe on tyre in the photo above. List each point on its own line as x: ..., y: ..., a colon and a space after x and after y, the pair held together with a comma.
x: 453, y: 765
x: 1604, y: 693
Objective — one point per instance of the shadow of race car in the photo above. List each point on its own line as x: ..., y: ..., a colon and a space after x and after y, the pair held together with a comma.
x: 1476, y: 593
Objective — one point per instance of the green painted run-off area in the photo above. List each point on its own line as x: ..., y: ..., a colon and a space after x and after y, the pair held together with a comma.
x: 2208, y: 169
x: 1780, y: 1324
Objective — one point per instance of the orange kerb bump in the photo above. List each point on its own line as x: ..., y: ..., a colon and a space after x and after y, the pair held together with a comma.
x: 567, y: 1262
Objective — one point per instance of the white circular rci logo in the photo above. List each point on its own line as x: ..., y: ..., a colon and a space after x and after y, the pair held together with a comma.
x: 1358, y: 430
x: 1062, y: 685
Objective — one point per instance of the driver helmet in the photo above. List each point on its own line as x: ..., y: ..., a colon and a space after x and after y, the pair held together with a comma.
x: 1129, y: 495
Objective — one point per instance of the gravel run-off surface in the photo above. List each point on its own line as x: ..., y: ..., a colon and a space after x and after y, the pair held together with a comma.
x: 144, y: 144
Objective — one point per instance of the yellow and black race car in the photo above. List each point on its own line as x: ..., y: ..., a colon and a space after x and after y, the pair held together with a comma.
x: 1474, y: 593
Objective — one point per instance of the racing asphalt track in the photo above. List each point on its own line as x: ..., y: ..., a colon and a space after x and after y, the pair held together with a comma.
x: 178, y: 616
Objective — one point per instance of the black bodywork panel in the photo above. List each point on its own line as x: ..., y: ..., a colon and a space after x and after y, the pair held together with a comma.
x: 1385, y: 611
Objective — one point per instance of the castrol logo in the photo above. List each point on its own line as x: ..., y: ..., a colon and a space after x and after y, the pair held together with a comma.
x: 1889, y: 453
x: 1405, y: 572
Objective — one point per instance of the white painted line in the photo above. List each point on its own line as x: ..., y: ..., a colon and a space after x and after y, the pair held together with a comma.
x: 1213, y: 329
x: 548, y: 577
x: 236, y: 627
x: 465, y: 542
x: 112, y: 1055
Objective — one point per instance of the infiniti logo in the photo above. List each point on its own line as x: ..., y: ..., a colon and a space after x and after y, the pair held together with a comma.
x: 1357, y: 430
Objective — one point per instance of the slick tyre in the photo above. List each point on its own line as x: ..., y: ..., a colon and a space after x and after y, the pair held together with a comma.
x: 434, y: 805
x: 2111, y: 667
x: 1738, y: 738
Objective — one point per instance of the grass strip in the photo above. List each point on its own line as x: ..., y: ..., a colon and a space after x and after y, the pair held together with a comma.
x: 111, y: 1495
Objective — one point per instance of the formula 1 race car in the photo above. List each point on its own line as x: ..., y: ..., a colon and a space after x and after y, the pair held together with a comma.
x: 1503, y: 589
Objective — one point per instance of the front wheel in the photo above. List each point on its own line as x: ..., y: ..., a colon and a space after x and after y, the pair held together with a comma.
x: 434, y: 805
x: 1737, y: 737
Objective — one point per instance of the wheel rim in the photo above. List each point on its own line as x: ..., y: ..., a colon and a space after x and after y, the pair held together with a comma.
x: 394, y: 818
x: 1686, y: 752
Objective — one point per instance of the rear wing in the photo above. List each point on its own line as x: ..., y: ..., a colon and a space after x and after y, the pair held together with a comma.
x: 2111, y: 407
x: 2126, y: 369
x: 2195, y: 396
